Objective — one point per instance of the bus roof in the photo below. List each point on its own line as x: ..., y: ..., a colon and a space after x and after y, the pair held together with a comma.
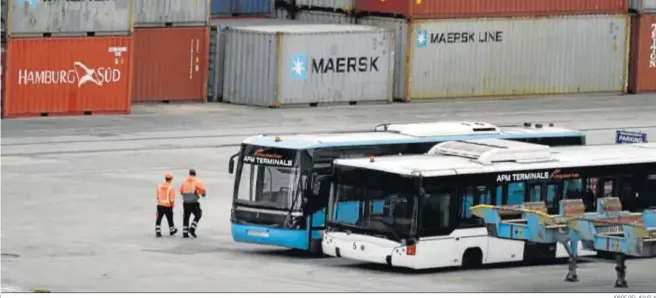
x: 411, y: 133
x: 495, y: 155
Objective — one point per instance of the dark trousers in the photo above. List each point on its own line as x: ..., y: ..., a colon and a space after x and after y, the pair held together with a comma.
x: 189, y: 209
x: 161, y: 212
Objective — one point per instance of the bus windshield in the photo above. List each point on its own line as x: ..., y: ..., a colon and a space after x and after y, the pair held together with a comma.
x: 269, y: 186
x: 383, y: 209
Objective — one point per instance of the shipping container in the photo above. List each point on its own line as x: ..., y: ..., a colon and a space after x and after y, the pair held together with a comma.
x: 34, y: 18
x: 508, y: 56
x: 222, y: 8
x: 217, y: 50
x: 283, y: 13
x: 68, y: 76
x: 643, y: 54
x: 170, y: 64
x: 3, y: 62
x: 308, y: 64
x: 342, y: 5
x: 324, y: 17
x: 165, y: 13
x: 432, y: 9
x: 642, y: 6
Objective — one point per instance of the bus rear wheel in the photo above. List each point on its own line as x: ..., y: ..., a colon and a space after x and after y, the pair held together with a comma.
x: 472, y: 258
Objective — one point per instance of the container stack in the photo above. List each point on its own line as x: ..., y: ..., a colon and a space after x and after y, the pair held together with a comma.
x: 242, y: 8
x: 171, y: 49
x: 453, y: 48
x: 67, y: 58
x: 316, y: 11
x: 642, y: 68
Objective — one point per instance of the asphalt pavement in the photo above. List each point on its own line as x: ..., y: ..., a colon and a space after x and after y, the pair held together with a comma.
x: 78, y: 207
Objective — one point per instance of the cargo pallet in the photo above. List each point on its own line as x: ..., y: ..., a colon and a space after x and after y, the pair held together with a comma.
x: 609, y: 229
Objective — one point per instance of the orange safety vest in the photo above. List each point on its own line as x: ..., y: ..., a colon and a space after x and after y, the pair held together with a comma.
x: 165, y: 195
x: 192, y: 185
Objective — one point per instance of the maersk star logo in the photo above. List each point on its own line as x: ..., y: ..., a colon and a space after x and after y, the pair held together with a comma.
x: 299, y: 67
x: 422, y: 38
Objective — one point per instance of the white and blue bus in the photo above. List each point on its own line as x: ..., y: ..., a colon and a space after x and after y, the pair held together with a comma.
x: 280, y: 187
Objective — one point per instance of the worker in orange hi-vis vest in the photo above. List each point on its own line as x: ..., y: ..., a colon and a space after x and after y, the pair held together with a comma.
x: 165, y: 204
x: 191, y: 190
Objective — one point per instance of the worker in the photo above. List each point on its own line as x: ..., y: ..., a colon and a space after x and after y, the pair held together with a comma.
x: 191, y: 190
x: 165, y: 203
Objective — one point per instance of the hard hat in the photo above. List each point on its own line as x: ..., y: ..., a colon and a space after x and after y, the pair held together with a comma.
x: 168, y: 175
x: 192, y: 172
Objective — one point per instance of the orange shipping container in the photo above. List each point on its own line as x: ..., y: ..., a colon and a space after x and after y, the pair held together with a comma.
x: 643, y: 54
x: 430, y: 9
x: 170, y: 64
x: 67, y: 76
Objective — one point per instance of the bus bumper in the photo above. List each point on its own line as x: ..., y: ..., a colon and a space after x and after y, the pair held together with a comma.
x: 358, y: 247
x: 270, y: 236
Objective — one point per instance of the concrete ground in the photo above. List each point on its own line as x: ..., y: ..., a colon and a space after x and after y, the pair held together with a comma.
x: 78, y: 207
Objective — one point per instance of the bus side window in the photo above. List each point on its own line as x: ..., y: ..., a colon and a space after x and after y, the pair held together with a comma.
x: 535, y: 192
x: 573, y: 188
x: 485, y: 195
x: 553, y: 197
x: 515, y: 193
x: 499, y: 196
x: 648, y: 197
x: 467, y: 202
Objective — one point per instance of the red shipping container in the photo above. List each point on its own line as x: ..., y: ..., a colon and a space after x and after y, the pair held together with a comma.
x: 170, y: 64
x: 431, y: 9
x: 642, y: 76
x: 67, y: 76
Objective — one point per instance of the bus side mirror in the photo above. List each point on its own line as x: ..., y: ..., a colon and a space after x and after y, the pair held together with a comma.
x: 231, y: 163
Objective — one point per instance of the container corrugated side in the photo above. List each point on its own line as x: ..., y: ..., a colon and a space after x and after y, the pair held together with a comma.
x: 643, y: 6
x: 518, y: 56
x: 431, y: 9
x: 222, y: 8
x: 69, y: 18
x: 218, y: 47
x: 643, y: 54
x: 282, y: 13
x: 160, y: 13
x: 68, y: 76
x: 343, y: 5
x: 400, y: 29
x: 170, y: 64
x: 322, y: 17
x: 308, y: 64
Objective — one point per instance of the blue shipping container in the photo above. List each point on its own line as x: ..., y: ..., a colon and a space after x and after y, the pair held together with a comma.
x: 223, y: 8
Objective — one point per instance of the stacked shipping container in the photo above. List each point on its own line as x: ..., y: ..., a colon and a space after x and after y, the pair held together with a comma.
x: 451, y: 48
x: 67, y: 58
x: 171, y: 50
x: 242, y: 8
x: 643, y: 46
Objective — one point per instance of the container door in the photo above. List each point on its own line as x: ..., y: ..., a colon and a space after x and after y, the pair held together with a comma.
x: 212, y: 66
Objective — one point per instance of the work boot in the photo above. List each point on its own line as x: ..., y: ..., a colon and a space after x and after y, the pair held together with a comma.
x: 158, y: 234
x: 173, y: 231
x: 192, y: 231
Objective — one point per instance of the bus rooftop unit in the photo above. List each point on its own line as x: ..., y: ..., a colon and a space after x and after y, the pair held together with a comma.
x: 279, y: 198
x: 414, y: 211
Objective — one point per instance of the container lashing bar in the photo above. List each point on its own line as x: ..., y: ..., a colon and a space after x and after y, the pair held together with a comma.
x: 609, y: 228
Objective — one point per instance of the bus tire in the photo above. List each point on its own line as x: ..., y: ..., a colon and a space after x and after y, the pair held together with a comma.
x: 472, y: 258
x: 315, y: 248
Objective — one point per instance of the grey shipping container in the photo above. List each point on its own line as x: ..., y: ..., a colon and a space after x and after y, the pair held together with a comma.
x: 282, y: 13
x: 28, y: 18
x: 509, y: 56
x: 161, y: 13
x: 217, y: 50
x: 308, y: 64
x: 642, y: 6
x: 322, y: 17
x: 344, y: 5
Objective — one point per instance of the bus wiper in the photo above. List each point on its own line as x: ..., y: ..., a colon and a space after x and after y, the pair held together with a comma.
x: 392, y: 229
x: 291, y: 208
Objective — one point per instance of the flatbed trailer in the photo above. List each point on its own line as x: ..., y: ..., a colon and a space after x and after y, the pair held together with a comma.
x: 609, y: 229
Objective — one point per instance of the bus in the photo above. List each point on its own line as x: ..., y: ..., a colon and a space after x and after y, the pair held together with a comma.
x: 279, y: 199
x: 413, y: 211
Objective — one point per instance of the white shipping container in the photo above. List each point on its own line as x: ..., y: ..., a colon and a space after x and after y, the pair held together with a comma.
x: 642, y: 6
x: 160, y: 13
x: 310, y: 63
x: 509, y: 56
x: 345, y: 5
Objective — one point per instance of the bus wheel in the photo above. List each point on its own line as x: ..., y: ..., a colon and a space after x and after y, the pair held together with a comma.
x: 472, y: 258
